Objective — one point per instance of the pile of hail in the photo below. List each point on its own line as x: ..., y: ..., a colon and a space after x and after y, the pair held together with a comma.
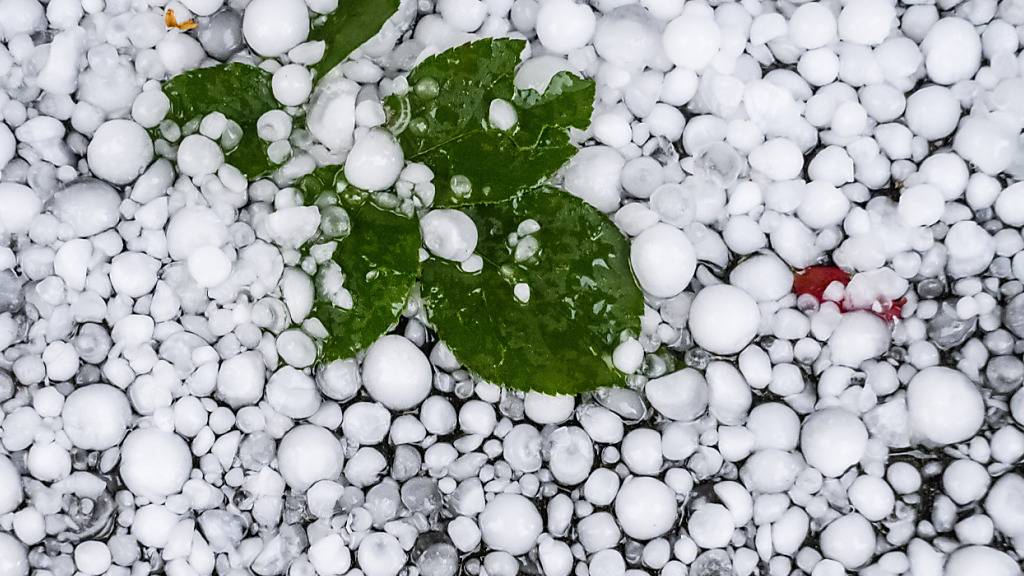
x: 820, y: 215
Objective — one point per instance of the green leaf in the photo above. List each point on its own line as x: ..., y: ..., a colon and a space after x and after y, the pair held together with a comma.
x: 380, y: 260
x: 582, y: 297
x: 240, y: 92
x: 349, y: 27
x: 443, y: 122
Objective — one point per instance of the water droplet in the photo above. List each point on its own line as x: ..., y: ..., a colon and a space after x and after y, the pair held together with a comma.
x: 427, y: 89
x: 461, y: 185
x: 335, y: 222
x: 418, y: 126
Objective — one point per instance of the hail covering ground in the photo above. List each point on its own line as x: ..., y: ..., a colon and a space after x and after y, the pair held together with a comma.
x: 162, y: 406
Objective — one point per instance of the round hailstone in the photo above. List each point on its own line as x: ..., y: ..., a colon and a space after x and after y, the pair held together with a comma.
x: 711, y: 526
x: 308, y: 454
x: 860, y: 336
x: 396, y: 373
x: 952, y: 50
x: 945, y: 407
x: 849, y: 540
x: 209, y: 266
x: 193, y: 227
x: 594, y: 175
x: 692, y: 40
x: 375, y: 161
x: 663, y: 260
x: 564, y: 26
x: 155, y: 463
x: 449, y: 234
x: 203, y: 7
x: 10, y: 487
x: 866, y: 21
x: 380, y: 554
x: 546, y: 409
x: 980, y: 560
x: 13, y: 556
x: 681, y: 395
x: 199, y: 156
x: 273, y: 27
x: 89, y: 206
x: 832, y: 440
x: 933, y: 112
x: 1004, y: 505
x: 645, y: 508
x: 21, y: 206
x: 292, y: 84
x: 1010, y: 205
x: 119, y: 151
x: 723, y: 319
x: 763, y: 276
x: 510, y: 523
x: 7, y: 145
x: 921, y: 205
x: 96, y: 416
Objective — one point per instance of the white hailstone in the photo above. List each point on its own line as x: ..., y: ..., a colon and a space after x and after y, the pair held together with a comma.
x: 628, y: 356
x: 859, y: 336
x: 119, y: 151
x: 331, y: 117
x: 645, y: 507
x: 61, y: 360
x: 866, y: 21
x: 153, y: 525
x: 970, y: 247
x: 729, y: 396
x: 199, y: 156
x: 293, y: 393
x: 932, y: 112
x: 241, y: 379
x: 763, y: 276
x: 502, y: 115
x: 273, y: 27
x: 548, y: 409
x: 778, y: 159
x: 380, y: 554
x: 71, y: 262
x: 563, y: 25
x: 723, y: 319
x: 96, y: 417
x: 989, y: 141
x: 944, y: 406
x: 29, y: 525
x: 292, y: 84
x: 711, y: 526
x: 832, y: 440
x: 133, y: 274
x: 692, y: 40
x: 21, y: 206
x: 92, y: 557
x: 774, y: 425
x: 1003, y: 505
x: 976, y: 560
x: 449, y: 234
x: 663, y: 260
x: 823, y: 205
x: 872, y: 497
x: 555, y: 557
x: 396, y: 373
x: 11, y: 493
x: 308, y: 454
x: 154, y: 463
x: 463, y: 15
x: 340, y: 379
x: 1009, y: 205
x: 8, y: 145
x: 87, y: 206
x: 594, y: 175
x: 294, y: 226
x: 375, y: 161
x: 209, y: 266
x: 537, y: 72
x: 681, y: 395
x: 296, y: 348
x: 330, y: 556
x: 570, y: 455
x: 203, y: 7
x: 850, y: 540
x: 510, y: 523
x: 952, y: 50
x: 812, y: 25
x: 921, y: 205
x: 13, y: 556
x: 965, y: 481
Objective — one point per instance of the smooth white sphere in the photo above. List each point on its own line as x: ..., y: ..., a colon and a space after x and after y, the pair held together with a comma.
x: 663, y: 260
x: 375, y: 161
x: 292, y: 84
x: 711, y: 526
x: 860, y: 336
x: 8, y: 145
x: 849, y: 540
x: 932, y: 112
x: 119, y: 151
x: 692, y: 40
x: 11, y: 493
x: 564, y: 26
x: 396, y: 373
x: 832, y: 440
x: 203, y: 7
x: 945, y: 407
x: 510, y: 523
x: 594, y: 175
x: 96, y: 417
x: 273, y: 27
x: 978, y: 560
x: 723, y: 319
x: 155, y: 463
x: 21, y: 205
x: 449, y: 234
x: 645, y: 507
x: 199, y: 156
x: 308, y: 454
x: 380, y: 554
x: 13, y: 556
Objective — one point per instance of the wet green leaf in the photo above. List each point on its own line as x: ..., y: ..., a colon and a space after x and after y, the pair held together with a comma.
x: 443, y: 122
x: 240, y: 92
x: 582, y: 297
x: 348, y: 27
x: 380, y: 260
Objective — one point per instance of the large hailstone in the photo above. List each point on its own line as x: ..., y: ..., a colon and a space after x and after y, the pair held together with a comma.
x: 723, y: 319
x: 510, y: 523
x: 155, y: 463
x: 980, y: 560
x: 396, y: 373
x: 375, y: 161
x: 860, y: 336
x: 308, y: 454
x: 832, y: 440
x: 663, y: 260
x: 645, y: 508
x: 10, y: 486
x: 119, y: 151
x: 96, y: 417
x: 945, y: 407
x: 681, y: 395
x: 273, y: 27
x: 13, y: 556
